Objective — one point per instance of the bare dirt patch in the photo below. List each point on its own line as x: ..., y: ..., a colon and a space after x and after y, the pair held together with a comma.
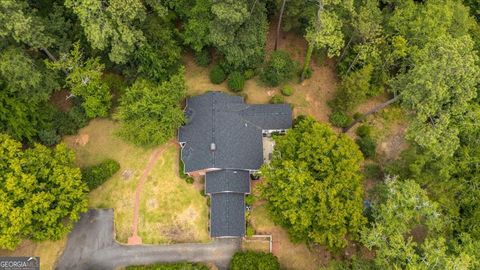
x: 59, y: 99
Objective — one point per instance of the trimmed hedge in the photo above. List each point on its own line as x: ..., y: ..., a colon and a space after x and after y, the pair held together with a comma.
x: 96, y: 175
x: 217, y: 75
x: 250, y: 260
x: 236, y: 81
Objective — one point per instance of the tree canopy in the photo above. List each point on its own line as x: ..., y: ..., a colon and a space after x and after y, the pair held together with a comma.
x: 150, y: 112
x: 314, y: 186
x: 41, y: 192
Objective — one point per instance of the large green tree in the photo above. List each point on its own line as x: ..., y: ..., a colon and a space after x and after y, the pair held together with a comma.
x: 150, y: 112
x: 25, y: 86
x: 41, y: 192
x: 314, y: 186
x: 407, y: 207
x: 111, y: 25
x: 84, y: 79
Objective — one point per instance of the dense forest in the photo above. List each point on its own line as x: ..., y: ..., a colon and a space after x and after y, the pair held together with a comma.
x: 123, y: 59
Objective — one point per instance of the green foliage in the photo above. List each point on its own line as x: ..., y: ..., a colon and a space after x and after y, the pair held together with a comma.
x: 249, y: 200
x: 203, y: 58
x: 287, y: 90
x: 238, y: 30
x: 407, y: 206
x: 250, y: 231
x: 249, y: 74
x: 236, y: 81
x: 111, y: 25
x: 217, y: 75
x: 373, y: 171
x: 170, y: 266
x: 279, y: 69
x: 150, y: 112
x: 84, y: 79
x: 368, y: 146
x: 158, y: 56
x: 339, y: 119
x: 249, y: 260
x: 25, y: 87
x: 365, y: 141
x: 41, y: 192
x: 354, y: 89
x: 96, y: 175
x: 277, y: 99
x: 314, y: 185
x: 68, y: 123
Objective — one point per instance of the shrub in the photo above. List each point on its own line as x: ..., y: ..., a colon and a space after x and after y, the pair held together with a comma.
x: 367, y: 145
x: 364, y: 131
x: 280, y: 68
x: 357, y: 115
x: 189, y: 180
x: 236, y: 81
x: 373, y: 171
x: 287, y: 90
x: 244, y: 260
x: 249, y: 199
x: 353, y: 89
x: 339, y: 119
x: 202, y: 58
x: 96, y: 175
x: 249, y: 74
x: 68, y: 123
x: 250, y: 231
x: 277, y: 99
x: 217, y: 75
x: 48, y: 137
x: 308, y: 73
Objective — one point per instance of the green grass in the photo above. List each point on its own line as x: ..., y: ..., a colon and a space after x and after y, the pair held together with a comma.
x: 170, y: 266
x: 165, y: 197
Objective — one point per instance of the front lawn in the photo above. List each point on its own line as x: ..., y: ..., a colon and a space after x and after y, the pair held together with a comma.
x: 167, y: 201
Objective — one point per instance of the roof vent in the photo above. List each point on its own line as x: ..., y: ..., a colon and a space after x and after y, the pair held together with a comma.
x: 213, y: 147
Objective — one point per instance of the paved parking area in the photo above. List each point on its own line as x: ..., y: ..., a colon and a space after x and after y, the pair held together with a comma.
x: 91, y: 245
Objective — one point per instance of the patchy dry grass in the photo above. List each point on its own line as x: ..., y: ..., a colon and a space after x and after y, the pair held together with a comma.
x: 290, y: 255
x: 256, y: 244
x: 48, y: 251
x: 165, y: 197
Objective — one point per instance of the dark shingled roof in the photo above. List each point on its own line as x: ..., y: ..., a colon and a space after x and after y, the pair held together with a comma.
x: 233, y: 126
x: 227, y: 216
x: 227, y: 181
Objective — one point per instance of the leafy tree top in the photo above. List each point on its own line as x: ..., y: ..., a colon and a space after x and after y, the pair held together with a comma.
x: 313, y: 184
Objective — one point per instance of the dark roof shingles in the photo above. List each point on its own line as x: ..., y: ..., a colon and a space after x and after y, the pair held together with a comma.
x: 227, y: 216
x: 227, y: 181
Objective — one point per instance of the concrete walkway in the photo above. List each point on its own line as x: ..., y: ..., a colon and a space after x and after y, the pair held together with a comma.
x: 91, y: 245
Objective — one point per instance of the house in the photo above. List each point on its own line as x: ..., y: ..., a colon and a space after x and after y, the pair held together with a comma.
x: 223, y: 140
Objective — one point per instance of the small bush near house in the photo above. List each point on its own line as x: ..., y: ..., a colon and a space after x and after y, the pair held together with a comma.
x: 170, y: 266
x: 250, y: 231
x: 236, y: 81
x: 287, y: 90
x: 277, y: 99
x: 249, y: 74
x: 217, y: 75
x: 250, y: 260
x: 203, y: 58
x: 249, y: 199
x: 339, y: 119
x: 96, y: 175
x: 280, y: 68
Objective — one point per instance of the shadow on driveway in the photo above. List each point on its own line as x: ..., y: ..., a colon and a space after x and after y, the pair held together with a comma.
x: 91, y: 245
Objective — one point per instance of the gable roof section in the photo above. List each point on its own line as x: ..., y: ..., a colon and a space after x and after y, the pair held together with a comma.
x: 227, y: 215
x: 233, y: 126
x: 227, y: 181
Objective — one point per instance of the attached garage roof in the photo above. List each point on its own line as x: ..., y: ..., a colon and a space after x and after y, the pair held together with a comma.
x: 227, y: 215
x: 227, y: 181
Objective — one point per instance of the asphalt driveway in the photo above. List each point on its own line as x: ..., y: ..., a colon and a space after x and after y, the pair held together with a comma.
x: 91, y: 245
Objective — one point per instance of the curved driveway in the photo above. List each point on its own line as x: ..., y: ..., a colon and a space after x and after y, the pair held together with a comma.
x: 91, y: 245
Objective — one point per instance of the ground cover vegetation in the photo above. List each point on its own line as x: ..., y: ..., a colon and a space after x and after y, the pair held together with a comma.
x: 122, y: 59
